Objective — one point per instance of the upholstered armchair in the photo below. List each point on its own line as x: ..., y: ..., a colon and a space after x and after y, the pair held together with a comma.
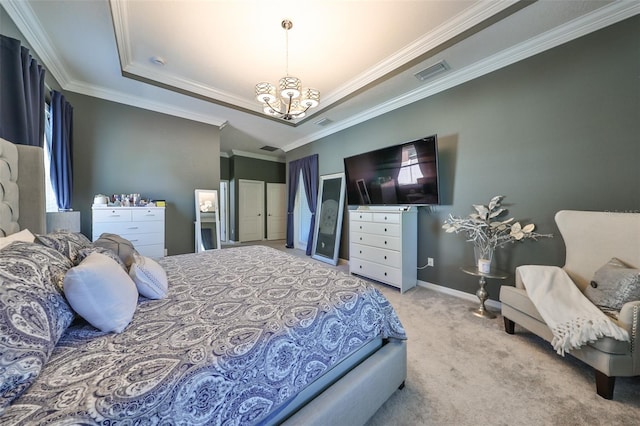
x: 592, y: 239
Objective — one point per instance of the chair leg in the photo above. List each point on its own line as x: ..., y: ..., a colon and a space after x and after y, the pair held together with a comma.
x: 604, y: 385
x: 509, y: 326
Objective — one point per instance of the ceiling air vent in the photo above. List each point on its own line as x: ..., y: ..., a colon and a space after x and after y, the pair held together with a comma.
x: 323, y: 122
x: 433, y: 70
x: 269, y: 148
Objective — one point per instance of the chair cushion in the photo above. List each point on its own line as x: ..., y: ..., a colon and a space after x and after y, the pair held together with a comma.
x: 613, y: 285
x: 517, y: 299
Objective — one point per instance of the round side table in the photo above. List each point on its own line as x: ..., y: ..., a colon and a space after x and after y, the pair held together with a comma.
x: 482, y: 293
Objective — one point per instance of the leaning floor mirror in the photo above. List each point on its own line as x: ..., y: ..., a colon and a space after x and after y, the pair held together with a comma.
x: 330, y: 207
x: 207, y: 225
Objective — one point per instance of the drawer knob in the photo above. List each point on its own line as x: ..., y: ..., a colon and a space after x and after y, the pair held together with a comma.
x: 385, y: 274
x: 360, y: 238
x: 360, y: 251
x: 385, y: 258
x: 385, y: 229
x: 385, y: 242
x: 385, y: 218
x: 360, y: 226
x: 360, y: 266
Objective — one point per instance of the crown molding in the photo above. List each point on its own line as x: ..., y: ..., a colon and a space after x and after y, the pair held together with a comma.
x: 464, y: 21
x: 136, y: 101
x: 579, y: 27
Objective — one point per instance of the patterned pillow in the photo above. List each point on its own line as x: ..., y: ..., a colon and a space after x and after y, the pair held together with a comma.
x: 67, y: 243
x: 613, y: 285
x: 83, y: 253
x: 33, y: 313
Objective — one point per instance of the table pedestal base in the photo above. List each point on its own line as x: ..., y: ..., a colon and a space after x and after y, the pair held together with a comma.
x: 482, y: 294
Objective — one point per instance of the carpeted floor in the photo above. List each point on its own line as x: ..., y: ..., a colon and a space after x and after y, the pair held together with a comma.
x: 465, y: 370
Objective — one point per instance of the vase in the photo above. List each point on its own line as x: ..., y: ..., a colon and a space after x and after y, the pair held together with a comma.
x: 484, y: 257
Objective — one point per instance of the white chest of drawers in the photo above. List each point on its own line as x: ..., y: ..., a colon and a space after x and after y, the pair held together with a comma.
x: 143, y: 226
x: 383, y: 246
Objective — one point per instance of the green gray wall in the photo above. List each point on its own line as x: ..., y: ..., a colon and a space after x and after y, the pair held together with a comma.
x: 121, y: 149
x: 557, y: 131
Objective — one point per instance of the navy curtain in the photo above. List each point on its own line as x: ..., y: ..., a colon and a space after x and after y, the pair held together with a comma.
x: 309, y: 168
x: 61, y: 147
x: 21, y: 94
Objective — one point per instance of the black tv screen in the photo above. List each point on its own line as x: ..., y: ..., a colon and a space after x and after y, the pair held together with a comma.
x: 405, y: 174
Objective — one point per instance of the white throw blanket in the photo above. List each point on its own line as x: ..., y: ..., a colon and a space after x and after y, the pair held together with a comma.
x: 572, y: 318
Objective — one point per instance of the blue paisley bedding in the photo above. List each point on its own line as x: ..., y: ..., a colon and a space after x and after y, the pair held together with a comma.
x: 243, y: 330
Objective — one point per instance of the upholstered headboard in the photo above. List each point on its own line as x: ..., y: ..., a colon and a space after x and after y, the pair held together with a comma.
x: 22, y: 190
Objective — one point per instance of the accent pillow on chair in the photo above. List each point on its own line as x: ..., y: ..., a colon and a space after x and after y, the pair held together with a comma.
x: 613, y: 285
x: 102, y: 293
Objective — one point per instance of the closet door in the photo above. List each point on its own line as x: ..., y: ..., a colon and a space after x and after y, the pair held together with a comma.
x: 250, y: 210
x: 276, y: 211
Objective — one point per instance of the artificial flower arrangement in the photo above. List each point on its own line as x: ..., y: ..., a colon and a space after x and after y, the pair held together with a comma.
x: 487, y: 231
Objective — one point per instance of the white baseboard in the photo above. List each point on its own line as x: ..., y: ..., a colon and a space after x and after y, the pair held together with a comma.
x: 461, y: 294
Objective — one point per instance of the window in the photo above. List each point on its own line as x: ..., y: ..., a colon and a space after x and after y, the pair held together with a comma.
x: 50, y: 195
x: 409, y: 168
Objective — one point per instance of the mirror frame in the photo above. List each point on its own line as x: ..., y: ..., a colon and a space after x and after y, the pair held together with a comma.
x: 335, y: 218
x: 198, y: 232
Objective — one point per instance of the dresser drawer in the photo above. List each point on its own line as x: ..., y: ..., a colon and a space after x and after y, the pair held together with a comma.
x: 375, y: 271
x: 111, y: 215
x: 386, y: 217
x: 382, y: 241
x: 144, y: 239
x: 147, y: 215
x: 361, y: 216
x: 390, y: 229
x: 127, y: 228
x: 376, y: 255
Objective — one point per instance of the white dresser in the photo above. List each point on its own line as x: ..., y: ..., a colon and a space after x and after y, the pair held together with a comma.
x: 143, y: 226
x: 383, y: 245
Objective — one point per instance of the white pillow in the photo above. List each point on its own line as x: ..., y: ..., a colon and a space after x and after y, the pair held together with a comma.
x: 150, y: 278
x: 24, y: 235
x: 101, y: 292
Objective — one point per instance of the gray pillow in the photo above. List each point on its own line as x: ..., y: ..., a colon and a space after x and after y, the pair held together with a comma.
x: 613, y: 285
x: 121, y: 246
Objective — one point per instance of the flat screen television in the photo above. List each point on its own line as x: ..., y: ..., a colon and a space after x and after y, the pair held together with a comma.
x: 404, y: 174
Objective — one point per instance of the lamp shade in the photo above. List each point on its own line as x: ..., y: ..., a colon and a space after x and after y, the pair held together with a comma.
x: 265, y: 93
x: 290, y: 88
x: 310, y: 98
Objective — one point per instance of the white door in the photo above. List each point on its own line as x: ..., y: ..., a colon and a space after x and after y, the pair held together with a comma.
x: 276, y: 211
x: 250, y: 210
x: 224, y: 209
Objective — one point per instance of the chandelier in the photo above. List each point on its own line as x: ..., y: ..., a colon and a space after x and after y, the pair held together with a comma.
x: 290, y: 101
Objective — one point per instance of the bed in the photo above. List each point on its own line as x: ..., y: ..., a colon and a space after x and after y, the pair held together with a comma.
x: 248, y: 335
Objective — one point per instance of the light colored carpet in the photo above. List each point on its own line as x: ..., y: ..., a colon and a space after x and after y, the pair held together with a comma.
x: 465, y: 370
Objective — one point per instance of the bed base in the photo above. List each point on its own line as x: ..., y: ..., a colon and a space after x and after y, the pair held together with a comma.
x: 356, y: 397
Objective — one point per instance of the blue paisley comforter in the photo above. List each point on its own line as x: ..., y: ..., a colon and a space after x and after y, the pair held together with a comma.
x: 242, y: 331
